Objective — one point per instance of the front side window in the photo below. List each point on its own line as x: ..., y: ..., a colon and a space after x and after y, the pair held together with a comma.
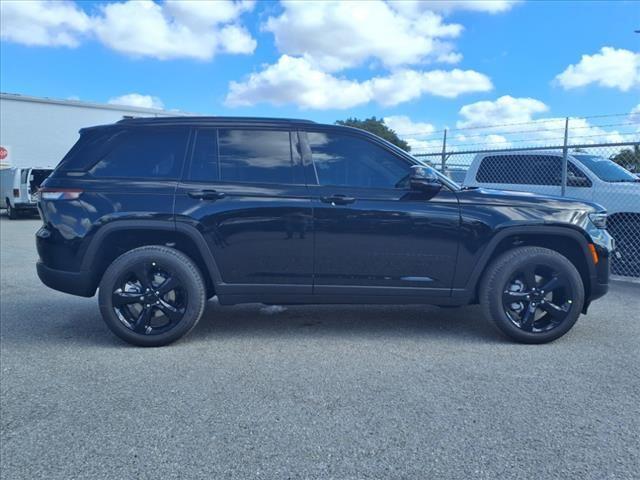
x: 606, y: 169
x: 521, y: 169
x: 345, y: 160
x: 142, y: 153
x: 255, y: 156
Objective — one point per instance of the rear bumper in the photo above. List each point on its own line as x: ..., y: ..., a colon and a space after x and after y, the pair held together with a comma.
x: 75, y: 283
x: 25, y: 206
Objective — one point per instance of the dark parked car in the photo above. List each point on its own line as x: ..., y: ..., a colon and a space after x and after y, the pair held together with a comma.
x: 161, y: 214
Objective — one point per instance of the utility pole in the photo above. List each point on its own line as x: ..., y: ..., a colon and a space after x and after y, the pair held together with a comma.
x: 444, y: 151
x: 565, y: 152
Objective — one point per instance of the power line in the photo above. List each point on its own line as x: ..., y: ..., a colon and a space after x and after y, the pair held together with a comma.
x: 533, y: 131
x: 531, y: 122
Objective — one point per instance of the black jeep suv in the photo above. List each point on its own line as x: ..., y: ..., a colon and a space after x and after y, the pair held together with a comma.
x: 161, y: 214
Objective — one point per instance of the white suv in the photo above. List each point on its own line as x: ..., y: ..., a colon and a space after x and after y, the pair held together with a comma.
x: 589, y: 177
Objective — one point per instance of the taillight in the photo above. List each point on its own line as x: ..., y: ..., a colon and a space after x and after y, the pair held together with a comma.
x: 16, y: 192
x: 59, y: 194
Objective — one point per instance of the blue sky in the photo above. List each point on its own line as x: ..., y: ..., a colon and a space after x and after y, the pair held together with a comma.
x: 96, y: 51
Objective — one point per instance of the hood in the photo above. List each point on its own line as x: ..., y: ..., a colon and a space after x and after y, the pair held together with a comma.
x: 509, y: 198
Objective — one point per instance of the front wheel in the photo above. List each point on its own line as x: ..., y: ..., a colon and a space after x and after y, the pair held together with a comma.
x: 532, y: 294
x: 152, y: 296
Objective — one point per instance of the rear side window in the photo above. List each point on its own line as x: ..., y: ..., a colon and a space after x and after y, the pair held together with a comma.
x: 345, y: 160
x: 141, y: 153
x: 255, y: 156
x: 521, y: 169
x: 204, y: 162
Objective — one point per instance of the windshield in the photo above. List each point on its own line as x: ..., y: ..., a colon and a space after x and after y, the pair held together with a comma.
x: 606, y: 169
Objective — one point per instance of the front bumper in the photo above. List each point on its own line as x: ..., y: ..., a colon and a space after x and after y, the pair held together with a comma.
x: 75, y: 283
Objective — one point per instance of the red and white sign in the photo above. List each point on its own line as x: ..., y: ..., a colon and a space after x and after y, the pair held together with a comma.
x: 4, y: 153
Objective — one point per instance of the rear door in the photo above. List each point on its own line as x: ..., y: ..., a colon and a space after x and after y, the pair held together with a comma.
x: 244, y: 190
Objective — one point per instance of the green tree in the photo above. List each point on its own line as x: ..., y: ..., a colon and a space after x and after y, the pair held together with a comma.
x: 629, y: 159
x: 377, y: 127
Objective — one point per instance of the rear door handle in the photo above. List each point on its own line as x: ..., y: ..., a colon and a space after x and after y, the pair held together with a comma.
x: 338, y: 199
x: 207, y: 194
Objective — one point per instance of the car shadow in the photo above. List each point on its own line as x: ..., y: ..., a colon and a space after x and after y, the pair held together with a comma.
x: 78, y: 321
x: 366, y: 321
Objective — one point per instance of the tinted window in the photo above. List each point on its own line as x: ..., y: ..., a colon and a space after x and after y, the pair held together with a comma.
x: 85, y: 151
x: 345, y: 160
x: 204, y: 163
x: 606, y: 169
x: 521, y: 169
x: 141, y: 153
x: 255, y: 156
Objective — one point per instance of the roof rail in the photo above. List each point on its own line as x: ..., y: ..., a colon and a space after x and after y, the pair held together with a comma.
x: 205, y: 119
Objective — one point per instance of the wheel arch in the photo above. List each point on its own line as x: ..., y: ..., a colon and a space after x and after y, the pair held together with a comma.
x: 568, y: 242
x: 115, y: 238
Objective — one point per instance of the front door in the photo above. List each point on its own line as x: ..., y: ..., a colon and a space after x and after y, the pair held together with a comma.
x: 244, y: 189
x: 372, y: 234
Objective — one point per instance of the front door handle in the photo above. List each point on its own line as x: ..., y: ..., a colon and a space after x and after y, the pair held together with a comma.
x: 338, y: 199
x: 207, y: 194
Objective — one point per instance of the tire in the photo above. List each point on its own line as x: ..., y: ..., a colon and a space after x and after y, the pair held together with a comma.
x: 532, y: 294
x: 152, y: 296
x: 11, y: 212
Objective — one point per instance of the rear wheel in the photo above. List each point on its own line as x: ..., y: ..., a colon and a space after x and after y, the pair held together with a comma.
x: 11, y: 212
x: 152, y: 296
x: 532, y: 294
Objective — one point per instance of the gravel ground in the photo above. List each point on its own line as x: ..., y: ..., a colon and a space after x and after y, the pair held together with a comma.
x: 310, y: 392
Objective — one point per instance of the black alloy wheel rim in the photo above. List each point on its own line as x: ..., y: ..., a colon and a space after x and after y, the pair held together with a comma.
x: 149, y: 299
x: 537, y: 298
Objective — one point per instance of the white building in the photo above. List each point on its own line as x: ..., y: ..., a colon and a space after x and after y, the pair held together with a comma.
x: 38, y: 132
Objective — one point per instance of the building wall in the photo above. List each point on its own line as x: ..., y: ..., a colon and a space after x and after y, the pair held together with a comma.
x: 38, y: 132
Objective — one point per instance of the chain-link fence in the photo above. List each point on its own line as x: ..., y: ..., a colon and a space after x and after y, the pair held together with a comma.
x: 607, y: 173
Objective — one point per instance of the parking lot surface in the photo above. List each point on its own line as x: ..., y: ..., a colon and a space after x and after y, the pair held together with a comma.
x: 330, y: 392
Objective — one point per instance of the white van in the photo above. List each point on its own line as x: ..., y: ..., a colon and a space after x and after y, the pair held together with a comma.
x: 589, y: 177
x: 19, y: 189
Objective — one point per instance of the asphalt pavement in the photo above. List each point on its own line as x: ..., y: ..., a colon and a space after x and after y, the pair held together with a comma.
x: 326, y: 392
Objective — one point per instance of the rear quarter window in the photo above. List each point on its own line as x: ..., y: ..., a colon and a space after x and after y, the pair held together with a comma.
x: 128, y: 153
x: 142, y: 153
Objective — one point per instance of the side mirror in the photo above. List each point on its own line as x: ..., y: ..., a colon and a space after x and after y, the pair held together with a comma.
x: 423, y: 180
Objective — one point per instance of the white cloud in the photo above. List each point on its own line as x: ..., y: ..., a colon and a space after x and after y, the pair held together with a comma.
x: 336, y: 35
x: 184, y: 29
x: 43, y: 23
x: 509, y: 122
x: 416, y: 134
x: 611, y: 67
x: 173, y: 29
x: 505, y: 109
x: 407, y: 85
x: 137, y: 100
x: 448, y: 6
x: 296, y: 81
x: 403, y: 126
x: 514, y: 118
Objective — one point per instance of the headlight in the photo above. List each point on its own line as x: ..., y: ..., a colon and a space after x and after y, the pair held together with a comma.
x: 599, y: 219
